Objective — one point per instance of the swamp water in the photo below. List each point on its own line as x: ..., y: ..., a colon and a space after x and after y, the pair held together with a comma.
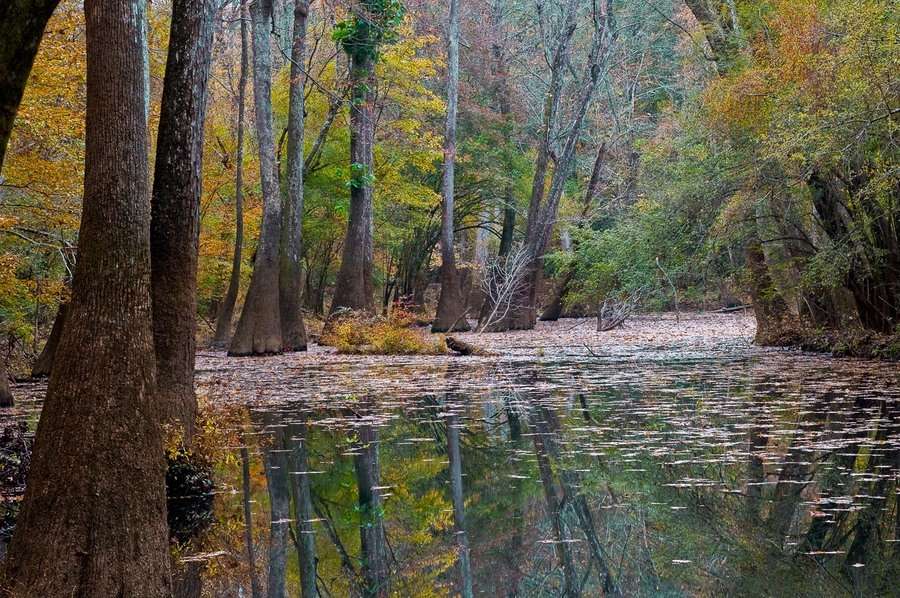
x: 716, y: 471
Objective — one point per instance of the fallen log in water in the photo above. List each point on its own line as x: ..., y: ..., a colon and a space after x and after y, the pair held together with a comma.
x: 461, y: 348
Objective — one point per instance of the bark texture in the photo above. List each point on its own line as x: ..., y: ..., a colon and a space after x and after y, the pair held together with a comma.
x: 354, y: 282
x: 774, y: 324
x: 6, y: 396
x: 874, y: 274
x: 22, y: 24
x: 100, y: 423
x: 175, y: 208
x: 259, y: 328
x: 451, y: 310
x: 290, y: 279
x: 226, y: 310
x: 44, y: 363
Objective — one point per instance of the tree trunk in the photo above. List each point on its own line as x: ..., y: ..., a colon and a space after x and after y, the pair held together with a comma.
x: 771, y: 310
x: 226, y: 310
x: 6, y: 397
x: 22, y: 25
x: 279, y: 508
x: 541, y: 214
x: 247, y: 494
x: 259, y: 328
x: 716, y: 31
x: 873, y: 275
x: 554, y: 311
x: 459, y: 507
x: 375, y: 569
x: 451, y: 311
x: 774, y: 323
x: 175, y: 207
x: 554, y: 506
x: 291, y: 276
x: 502, y: 95
x: 98, y: 463
x: 354, y: 288
x: 44, y: 363
x: 303, y: 510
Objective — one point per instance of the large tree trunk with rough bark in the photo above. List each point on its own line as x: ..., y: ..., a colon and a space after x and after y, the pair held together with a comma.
x: 554, y: 504
x: 226, y: 309
x: 44, y: 363
x: 290, y: 279
x: 452, y: 305
x: 6, y: 396
x: 354, y: 288
x: 81, y: 530
x: 259, y: 328
x: 175, y: 207
x: 22, y: 24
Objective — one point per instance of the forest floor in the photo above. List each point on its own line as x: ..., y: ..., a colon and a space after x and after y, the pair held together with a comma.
x: 321, y: 371
x: 694, y: 330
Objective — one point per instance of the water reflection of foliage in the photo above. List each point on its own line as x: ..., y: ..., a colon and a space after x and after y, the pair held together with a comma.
x: 683, y: 479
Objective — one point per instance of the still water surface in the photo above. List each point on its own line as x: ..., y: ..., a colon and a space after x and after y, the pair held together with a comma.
x: 715, y: 471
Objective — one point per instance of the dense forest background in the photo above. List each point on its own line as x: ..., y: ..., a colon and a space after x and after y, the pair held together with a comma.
x: 253, y: 175
x: 732, y: 153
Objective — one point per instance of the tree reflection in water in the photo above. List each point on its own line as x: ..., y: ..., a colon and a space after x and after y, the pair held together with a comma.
x: 759, y: 474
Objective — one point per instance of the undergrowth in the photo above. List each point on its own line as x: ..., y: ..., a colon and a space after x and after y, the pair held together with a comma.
x: 359, y: 334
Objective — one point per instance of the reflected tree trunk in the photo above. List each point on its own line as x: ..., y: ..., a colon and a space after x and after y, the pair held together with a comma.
x: 869, y: 518
x: 756, y: 442
x: 541, y: 438
x: 247, y: 497
x: 279, y: 507
x: 569, y: 482
x: 795, y: 475
x: 305, y: 538
x: 459, y: 508
x: 375, y: 566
